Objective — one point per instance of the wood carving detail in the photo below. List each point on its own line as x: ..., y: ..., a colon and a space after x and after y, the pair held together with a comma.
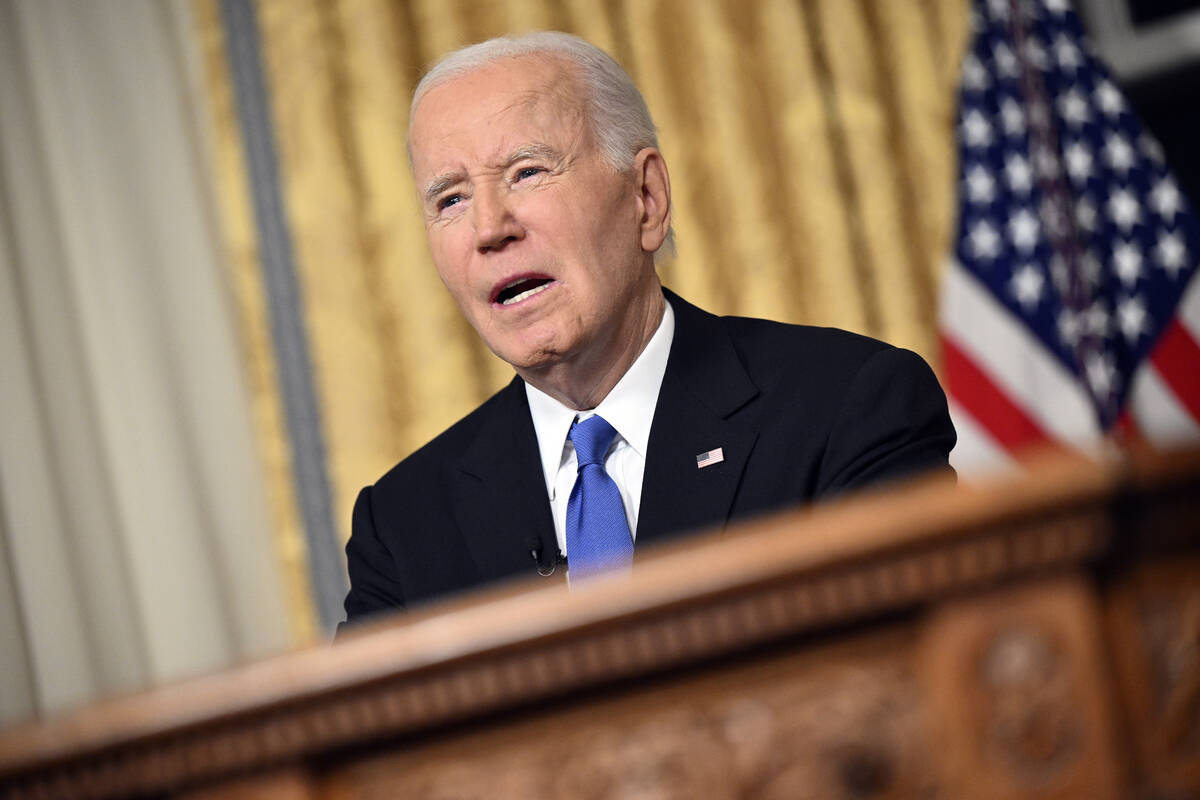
x: 1030, y: 720
x: 850, y: 730
x: 1172, y: 631
x: 1020, y: 698
x: 1154, y: 622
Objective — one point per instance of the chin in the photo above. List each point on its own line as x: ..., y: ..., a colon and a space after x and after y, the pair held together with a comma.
x: 532, y: 361
x: 530, y: 352
x: 531, y: 358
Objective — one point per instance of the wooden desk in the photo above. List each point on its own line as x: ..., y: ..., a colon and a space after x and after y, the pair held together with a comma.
x: 1033, y: 639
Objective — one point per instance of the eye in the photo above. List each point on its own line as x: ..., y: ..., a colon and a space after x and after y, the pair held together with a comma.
x: 448, y: 201
x: 528, y: 172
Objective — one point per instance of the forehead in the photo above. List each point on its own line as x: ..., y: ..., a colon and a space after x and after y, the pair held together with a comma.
x: 494, y: 108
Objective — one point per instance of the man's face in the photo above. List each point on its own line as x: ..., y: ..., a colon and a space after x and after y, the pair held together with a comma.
x: 535, y: 236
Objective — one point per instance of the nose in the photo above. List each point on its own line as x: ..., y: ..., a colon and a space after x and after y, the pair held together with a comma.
x: 495, y: 224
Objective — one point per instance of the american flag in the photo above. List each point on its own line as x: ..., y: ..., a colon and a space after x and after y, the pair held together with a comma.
x: 1071, y: 310
x: 710, y: 457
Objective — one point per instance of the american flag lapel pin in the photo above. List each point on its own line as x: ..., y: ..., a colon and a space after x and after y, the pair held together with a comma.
x: 709, y: 458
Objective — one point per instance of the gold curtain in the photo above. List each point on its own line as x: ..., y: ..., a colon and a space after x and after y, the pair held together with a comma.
x: 812, y: 161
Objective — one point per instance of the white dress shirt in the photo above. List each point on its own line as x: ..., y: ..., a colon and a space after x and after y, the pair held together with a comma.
x: 629, y: 408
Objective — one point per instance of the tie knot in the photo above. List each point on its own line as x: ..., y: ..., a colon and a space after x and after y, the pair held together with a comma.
x: 591, y: 438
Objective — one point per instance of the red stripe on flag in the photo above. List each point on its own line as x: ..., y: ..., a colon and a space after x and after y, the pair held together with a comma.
x: 1176, y: 358
x: 987, y: 402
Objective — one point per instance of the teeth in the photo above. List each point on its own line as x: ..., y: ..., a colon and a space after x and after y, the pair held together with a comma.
x: 516, y: 298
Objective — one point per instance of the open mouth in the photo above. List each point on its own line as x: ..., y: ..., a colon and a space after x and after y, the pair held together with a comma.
x: 521, y: 289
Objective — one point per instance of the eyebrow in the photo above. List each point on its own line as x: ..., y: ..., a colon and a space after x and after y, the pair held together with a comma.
x: 443, y: 182
x: 438, y: 185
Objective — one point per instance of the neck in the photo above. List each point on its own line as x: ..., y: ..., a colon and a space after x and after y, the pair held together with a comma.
x: 582, y: 383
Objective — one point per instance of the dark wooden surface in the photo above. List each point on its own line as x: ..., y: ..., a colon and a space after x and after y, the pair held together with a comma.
x: 1033, y: 638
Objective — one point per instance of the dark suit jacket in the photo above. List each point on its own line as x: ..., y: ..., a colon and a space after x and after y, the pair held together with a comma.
x: 801, y: 413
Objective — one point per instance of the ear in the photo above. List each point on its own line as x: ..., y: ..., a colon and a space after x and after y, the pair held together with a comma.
x: 653, y: 187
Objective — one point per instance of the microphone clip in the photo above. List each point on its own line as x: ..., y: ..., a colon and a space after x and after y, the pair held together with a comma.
x: 544, y: 569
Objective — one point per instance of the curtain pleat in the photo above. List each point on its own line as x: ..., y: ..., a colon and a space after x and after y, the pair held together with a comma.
x: 811, y: 157
x: 240, y: 242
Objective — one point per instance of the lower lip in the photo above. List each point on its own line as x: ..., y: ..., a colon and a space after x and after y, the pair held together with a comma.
x: 527, y: 296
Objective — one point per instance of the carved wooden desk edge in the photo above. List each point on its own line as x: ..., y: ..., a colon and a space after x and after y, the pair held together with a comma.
x: 765, y: 581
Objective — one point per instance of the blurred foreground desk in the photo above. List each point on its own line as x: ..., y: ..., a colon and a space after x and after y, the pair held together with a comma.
x: 1035, y: 639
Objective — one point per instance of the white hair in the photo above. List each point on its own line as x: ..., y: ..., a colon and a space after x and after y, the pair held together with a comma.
x: 616, y: 112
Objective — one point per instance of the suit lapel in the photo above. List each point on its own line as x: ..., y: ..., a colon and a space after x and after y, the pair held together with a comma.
x: 500, y: 500
x: 705, y: 383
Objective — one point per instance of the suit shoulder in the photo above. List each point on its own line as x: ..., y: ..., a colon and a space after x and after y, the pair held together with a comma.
x: 769, y: 331
x: 769, y: 347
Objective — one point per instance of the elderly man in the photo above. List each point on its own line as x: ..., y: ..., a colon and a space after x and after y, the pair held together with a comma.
x: 634, y: 415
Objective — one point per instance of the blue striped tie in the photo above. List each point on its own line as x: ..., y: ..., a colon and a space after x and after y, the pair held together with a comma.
x: 598, y: 536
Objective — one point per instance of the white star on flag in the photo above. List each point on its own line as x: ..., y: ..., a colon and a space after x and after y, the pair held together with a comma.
x: 1171, y: 253
x: 1023, y: 230
x: 1070, y: 328
x: 1131, y: 318
x: 981, y: 186
x: 1019, y: 175
x: 1073, y: 107
x: 1124, y: 210
x: 1109, y: 99
x: 1067, y: 53
x: 1127, y: 262
x: 976, y: 130
x: 1013, y: 117
x: 1047, y: 163
x: 1036, y: 54
x: 1118, y: 153
x: 1079, y: 162
x: 1166, y: 199
x: 1027, y: 285
x: 974, y: 74
x: 985, y: 242
x: 1006, y: 62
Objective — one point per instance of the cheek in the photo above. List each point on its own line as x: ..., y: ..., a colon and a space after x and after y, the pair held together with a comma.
x: 451, y: 259
x: 610, y: 223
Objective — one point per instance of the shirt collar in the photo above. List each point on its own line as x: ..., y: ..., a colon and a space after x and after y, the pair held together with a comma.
x: 629, y: 406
